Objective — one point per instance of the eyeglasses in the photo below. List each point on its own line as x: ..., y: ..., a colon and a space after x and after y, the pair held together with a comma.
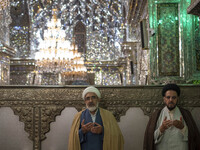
x: 172, y: 97
x: 92, y: 98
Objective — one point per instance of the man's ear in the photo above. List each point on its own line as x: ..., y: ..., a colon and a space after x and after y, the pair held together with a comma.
x: 164, y: 99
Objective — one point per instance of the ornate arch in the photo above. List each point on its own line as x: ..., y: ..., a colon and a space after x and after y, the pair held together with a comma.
x: 80, y: 36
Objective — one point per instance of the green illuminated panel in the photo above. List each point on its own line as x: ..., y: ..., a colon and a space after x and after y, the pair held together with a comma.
x: 197, y: 43
x: 168, y: 39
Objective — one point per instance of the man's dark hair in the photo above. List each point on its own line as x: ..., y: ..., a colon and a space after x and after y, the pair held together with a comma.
x: 173, y: 87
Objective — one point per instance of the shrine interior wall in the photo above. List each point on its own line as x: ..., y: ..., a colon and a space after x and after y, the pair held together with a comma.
x: 39, y: 118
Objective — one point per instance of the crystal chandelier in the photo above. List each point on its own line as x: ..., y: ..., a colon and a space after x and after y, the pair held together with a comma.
x: 59, y: 56
x: 4, y: 4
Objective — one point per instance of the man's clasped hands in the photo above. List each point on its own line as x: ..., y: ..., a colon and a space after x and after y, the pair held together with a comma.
x: 92, y: 127
x: 168, y: 123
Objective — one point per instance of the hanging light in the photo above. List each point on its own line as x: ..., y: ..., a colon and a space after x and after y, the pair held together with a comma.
x: 4, y: 4
x: 59, y: 56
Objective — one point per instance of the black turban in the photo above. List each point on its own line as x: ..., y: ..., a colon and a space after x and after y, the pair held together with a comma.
x: 173, y: 87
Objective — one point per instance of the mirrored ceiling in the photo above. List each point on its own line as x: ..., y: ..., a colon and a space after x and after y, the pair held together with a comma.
x: 94, y: 30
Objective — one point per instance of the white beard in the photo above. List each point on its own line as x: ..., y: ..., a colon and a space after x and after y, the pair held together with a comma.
x: 93, y: 108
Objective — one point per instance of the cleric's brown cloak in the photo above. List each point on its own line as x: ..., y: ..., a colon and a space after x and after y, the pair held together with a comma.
x: 113, y: 138
x: 193, y: 133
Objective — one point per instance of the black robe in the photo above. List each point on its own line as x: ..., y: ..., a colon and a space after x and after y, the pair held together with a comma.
x: 193, y: 133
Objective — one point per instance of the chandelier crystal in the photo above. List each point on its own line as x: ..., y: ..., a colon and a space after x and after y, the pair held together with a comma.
x: 4, y: 4
x: 57, y: 55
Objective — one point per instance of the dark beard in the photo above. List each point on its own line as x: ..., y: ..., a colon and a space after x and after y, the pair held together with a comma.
x: 171, y: 108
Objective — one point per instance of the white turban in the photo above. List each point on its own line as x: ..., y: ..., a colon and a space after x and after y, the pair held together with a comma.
x: 91, y: 89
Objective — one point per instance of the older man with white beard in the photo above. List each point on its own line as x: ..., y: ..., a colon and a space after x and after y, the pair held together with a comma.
x: 94, y: 128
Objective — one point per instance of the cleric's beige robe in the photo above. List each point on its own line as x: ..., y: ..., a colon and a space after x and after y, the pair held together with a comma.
x: 113, y: 138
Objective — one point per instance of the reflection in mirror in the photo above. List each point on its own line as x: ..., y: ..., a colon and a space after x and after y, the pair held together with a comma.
x: 72, y: 42
x: 96, y: 42
x: 64, y: 43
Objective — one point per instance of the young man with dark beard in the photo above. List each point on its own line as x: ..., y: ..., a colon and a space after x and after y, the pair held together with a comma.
x: 94, y: 128
x: 172, y: 127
